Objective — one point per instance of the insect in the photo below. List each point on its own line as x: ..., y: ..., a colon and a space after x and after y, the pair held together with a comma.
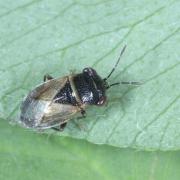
x: 53, y: 103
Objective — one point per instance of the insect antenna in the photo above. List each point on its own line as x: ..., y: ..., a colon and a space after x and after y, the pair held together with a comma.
x: 134, y: 83
x: 113, y: 69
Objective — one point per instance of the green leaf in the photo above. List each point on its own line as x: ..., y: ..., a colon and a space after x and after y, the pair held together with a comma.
x: 39, y: 37
x: 27, y: 155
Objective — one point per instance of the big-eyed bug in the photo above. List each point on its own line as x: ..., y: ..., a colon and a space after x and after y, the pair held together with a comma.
x: 53, y: 103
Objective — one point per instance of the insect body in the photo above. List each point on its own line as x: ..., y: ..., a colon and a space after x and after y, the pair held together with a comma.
x: 53, y: 103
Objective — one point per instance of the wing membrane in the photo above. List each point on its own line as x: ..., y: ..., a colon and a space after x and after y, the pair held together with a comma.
x: 58, y: 114
x: 49, y: 89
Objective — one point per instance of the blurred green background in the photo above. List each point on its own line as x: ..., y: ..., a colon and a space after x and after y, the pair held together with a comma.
x: 42, y: 36
x: 27, y: 155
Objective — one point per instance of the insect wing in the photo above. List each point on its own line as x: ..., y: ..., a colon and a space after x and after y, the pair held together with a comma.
x: 49, y: 89
x: 57, y: 114
x: 38, y: 100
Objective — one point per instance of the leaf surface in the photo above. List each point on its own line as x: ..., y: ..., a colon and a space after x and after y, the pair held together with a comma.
x: 39, y: 37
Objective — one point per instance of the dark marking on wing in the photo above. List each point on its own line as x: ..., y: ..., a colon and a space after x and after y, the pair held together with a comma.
x: 65, y: 95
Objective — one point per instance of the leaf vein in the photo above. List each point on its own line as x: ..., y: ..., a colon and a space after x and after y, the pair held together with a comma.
x: 150, y: 50
x: 19, y: 8
x: 37, y: 27
x: 155, y: 119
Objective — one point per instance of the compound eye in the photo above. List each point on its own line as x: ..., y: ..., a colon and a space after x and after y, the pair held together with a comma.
x: 90, y: 71
x: 102, y: 101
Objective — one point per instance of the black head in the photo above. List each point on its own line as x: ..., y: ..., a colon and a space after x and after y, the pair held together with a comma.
x: 91, y: 87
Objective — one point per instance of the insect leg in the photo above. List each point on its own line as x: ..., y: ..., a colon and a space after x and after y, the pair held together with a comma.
x: 82, y: 110
x: 83, y: 113
x: 78, y: 124
x: 47, y: 77
x: 60, y: 127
